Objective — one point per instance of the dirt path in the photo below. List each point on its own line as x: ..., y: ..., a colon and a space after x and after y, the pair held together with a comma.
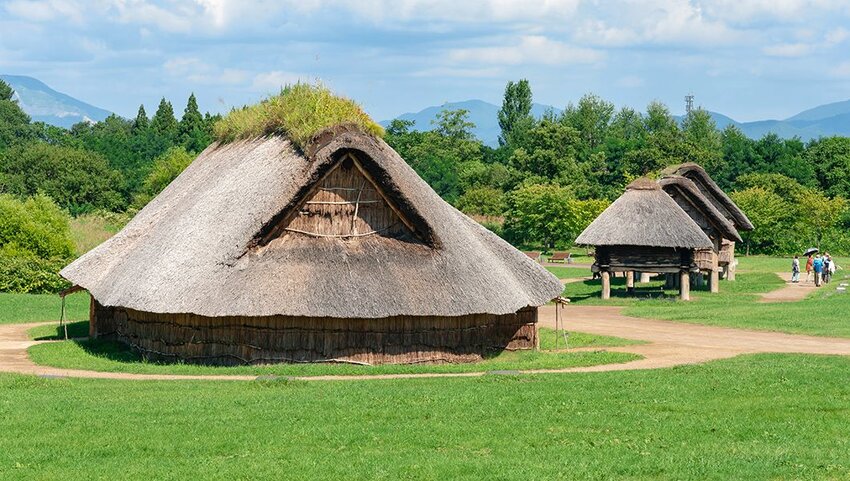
x: 790, y: 292
x: 669, y: 344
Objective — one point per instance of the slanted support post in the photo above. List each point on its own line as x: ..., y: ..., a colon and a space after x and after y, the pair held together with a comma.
x: 630, y: 281
x: 606, y: 284
x: 685, y: 285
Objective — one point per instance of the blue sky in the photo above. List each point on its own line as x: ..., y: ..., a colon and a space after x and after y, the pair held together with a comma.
x: 748, y: 59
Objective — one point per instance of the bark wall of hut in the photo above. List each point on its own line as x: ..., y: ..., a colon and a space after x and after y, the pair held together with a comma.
x: 258, y: 340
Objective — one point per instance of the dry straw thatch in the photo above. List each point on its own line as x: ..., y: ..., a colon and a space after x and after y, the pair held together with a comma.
x: 711, y: 191
x: 210, y: 244
x: 644, y: 216
x: 695, y: 197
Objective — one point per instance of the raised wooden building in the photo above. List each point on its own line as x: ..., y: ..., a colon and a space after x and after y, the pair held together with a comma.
x: 717, y: 227
x: 645, y: 230
x: 711, y: 191
x: 261, y: 253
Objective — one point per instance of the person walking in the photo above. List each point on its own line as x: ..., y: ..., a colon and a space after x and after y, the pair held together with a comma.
x: 827, y: 264
x: 817, y: 266
x: 795, y: 270
x: 809, y: 268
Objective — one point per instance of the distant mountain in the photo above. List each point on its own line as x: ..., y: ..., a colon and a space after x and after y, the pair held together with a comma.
x: 822, y: 121
x: 483, y: 114
x: 44, y: 104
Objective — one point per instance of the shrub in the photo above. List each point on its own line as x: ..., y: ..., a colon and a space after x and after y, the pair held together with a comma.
x: 298, y: 112
x: 36, y: 227
x: 77, y: 180
x: 35, y: 243
x: 165, y: 169
x: 31, y: 275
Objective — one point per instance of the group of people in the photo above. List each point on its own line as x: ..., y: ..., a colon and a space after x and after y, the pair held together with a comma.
x: 821, y: 268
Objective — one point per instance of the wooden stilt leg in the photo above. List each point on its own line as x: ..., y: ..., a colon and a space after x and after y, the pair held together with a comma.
x: 644, y: 277
x: 606, y: 284
x: 630, y: 281
x: 714, y: 281
x: 685, y: 286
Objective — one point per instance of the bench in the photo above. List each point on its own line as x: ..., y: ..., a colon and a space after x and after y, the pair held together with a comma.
x: 561, y: 257
x: 533, y: 255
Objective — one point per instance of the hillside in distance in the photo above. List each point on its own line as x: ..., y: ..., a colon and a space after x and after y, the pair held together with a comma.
x: 43, y: 104
x: 821, y: 121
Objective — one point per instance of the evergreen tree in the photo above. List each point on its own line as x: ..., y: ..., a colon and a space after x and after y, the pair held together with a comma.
x: 515, y: 114
x: 163, y: 123
x: 194, y: 134
x: 14, y: 123
x: 6, y: 91
x: 142, y: 122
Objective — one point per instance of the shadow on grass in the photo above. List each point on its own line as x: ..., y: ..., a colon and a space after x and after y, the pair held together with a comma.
x: 56, y: 332
x: 592, y: 290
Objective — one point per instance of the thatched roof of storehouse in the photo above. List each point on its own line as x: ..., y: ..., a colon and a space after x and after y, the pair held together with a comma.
x: 712, y: 191
x: 644, y: 216
x: 205, y: 245
x: 692, y: 194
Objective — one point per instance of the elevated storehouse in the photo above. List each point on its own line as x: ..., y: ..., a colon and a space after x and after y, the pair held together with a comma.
x: 722, y: 203
x: 265, y: 252
x: 644, y: 230
x: 712, y: 222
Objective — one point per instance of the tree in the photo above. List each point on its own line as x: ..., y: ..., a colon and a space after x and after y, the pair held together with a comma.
x: 772, y: 216
x: 515, y: 114
x: 703, y: 142
x: 141, y: 122
x: 195, y: 135
x: 79, y: 181
x: 591, y: 118
x: 482, y: 201
x: 163, y: 123
x: 819, y: 214
x: 549, y: 152
x: 538, y: 213
x: 830, y: 157
x: 454, y: 124
x: 165, y: 169
x: 14, y: 122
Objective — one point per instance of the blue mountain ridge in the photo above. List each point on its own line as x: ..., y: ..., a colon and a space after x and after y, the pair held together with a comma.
x: 822, y: 121
x: 43, y: 104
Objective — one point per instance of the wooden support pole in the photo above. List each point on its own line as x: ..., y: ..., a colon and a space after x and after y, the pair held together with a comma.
x: 730, y: 270
x: 644, y: 277
x: 685, y: 285
x: 606, y: 284
x: 630, y: 281
x: 714, y: 281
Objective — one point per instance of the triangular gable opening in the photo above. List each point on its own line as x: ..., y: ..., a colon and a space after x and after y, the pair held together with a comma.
x: 346, y: 203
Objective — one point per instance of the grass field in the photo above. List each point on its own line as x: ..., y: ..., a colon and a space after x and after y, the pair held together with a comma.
x: 824, y: 313
x: 761, y: 417
x: 569, y: 272
x: 115, y: 357
x: 18, y: 308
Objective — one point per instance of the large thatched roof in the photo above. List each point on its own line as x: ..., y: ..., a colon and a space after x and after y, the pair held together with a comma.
x: 199, y: 246
x: 644, y: 216
x: 692, y: 194
x: 713, y: 192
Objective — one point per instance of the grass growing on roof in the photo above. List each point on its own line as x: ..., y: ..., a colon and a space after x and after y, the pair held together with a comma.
x: 298, y: 112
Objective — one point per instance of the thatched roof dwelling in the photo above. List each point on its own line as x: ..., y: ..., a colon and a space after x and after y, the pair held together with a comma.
x: 259, y: 252
x: 644, y: 216
x: 644, y: 230
x: 711, y: 191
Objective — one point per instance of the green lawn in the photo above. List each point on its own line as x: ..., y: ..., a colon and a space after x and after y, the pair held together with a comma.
x: 18, y: 308
x: 112, y: 356
x: 757, y: 417
x: 569, y: 272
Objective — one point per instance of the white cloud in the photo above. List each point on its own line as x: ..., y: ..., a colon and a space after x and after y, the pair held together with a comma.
x: 272, y: 82
x: 787, y: 50
x: 459, y: 72
x: 197, y: 71
x: 836, y: 36
x: 630, y: 81
x: 530, y: 49
x: 46, y: 10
